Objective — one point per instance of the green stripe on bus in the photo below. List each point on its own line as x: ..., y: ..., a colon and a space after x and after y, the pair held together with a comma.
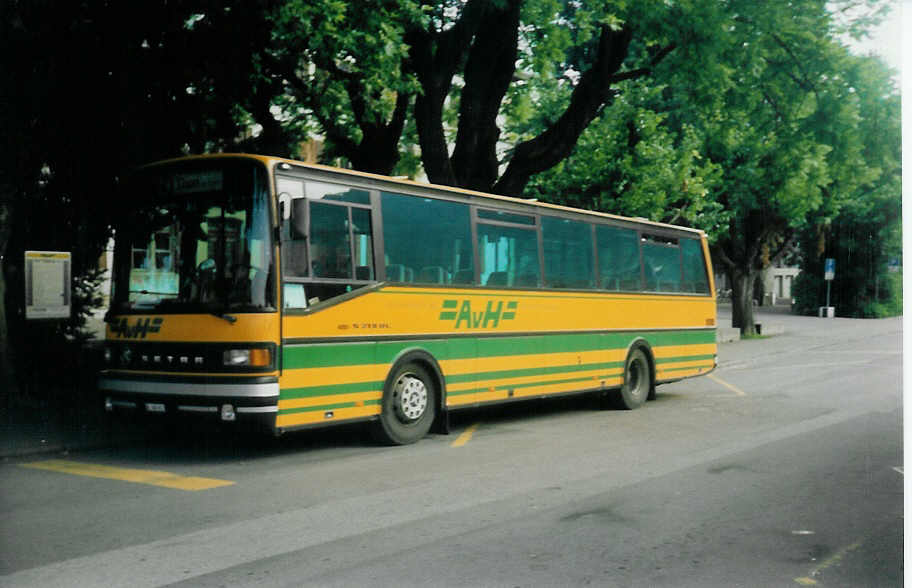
x: 374, y: 352
x: 550, y: 382
x: 684, y: 369
x: 325, y: 407
x: 539, y: 371
x: 330, y: 390
x: 683, y: 358
x: 534, y: 384
x: 669, y: 338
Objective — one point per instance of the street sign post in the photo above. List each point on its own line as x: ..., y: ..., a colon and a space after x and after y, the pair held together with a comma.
x: 829, y: 274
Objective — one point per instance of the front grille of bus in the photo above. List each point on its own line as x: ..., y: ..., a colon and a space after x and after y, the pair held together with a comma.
x: 181, y: 357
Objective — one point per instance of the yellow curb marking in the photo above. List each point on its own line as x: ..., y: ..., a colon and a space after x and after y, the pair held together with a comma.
x: 721, y: 382
x: 833, y: 559
x: 465, y: 436
x: 150, y: 477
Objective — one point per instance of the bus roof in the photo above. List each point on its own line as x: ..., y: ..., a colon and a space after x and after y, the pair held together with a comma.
x: 273, y: 160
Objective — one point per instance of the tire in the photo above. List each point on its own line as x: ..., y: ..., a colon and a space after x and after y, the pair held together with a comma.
x: 637, y: 381
x: 409, y: 405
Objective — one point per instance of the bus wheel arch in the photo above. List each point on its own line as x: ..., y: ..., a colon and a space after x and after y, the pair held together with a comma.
x: 639, y: 383
x: 413, y: 399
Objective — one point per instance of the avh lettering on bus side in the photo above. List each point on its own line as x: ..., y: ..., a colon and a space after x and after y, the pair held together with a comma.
x: 138, y: 330
x: 469, y: 317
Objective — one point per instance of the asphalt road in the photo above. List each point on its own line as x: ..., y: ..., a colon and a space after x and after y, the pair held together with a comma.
x: 782, y: 468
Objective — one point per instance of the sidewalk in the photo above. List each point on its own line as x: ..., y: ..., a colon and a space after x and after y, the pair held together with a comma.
x: 24, y: 433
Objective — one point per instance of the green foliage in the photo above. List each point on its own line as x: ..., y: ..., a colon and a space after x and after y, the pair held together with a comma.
x: 779, y: 116
x: 336, y: 68
x: 630, y: 162
x: 91, y: 90
x: 864, y: 239
x: 746, y: 119
x: 863, y: 234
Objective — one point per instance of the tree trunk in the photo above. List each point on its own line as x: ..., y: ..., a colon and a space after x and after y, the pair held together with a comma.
x: 435, y: 57
x: 556, y: 142
x: 378, y: 151
x: 742, y: 300
x: 488, y: 72
x: 7, y: 376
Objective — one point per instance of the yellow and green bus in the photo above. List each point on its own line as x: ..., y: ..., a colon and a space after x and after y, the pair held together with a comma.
x: 264, y: 291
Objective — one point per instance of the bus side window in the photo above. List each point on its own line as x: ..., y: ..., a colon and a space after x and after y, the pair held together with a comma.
x: 568, y: 253
x: 662, y: 261
x: 293, y: 226
x: 619, y: 259
x: 508, y: 256
x: 329, y: 241
x: 426, y: 241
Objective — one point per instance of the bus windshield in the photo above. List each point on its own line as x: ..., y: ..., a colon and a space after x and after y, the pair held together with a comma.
x: 195, y: 238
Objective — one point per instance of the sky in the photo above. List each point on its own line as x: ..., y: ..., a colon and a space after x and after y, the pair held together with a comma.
x: 888, y: 40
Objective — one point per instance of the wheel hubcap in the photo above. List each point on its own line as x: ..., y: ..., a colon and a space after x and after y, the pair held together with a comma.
x: 410, y: 397
x: 634, y: 378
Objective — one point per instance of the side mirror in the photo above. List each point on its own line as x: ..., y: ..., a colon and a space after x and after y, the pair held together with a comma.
x: 284, y: 206
x: 299, y: 218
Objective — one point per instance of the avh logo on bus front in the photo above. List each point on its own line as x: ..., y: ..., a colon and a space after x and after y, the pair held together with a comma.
x: 467, y: 317
x: 138, y: 330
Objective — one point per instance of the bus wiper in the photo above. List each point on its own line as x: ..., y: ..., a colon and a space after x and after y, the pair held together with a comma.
x: 220, y: 313
x: 224, y: 316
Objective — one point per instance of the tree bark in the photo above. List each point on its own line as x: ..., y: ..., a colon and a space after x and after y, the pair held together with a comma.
x: 743, y: 300
x: 435, y: 58
x: 7, y: 376
x: 488, y: 72
x: 378, y: 151
x: 591, y: 95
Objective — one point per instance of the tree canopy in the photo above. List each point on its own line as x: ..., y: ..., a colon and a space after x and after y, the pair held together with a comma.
x: 774, y: 135
x: 750, y: 120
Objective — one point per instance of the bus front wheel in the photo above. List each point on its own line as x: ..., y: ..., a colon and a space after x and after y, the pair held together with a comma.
x: 637, y: 381
x: 408, y: 407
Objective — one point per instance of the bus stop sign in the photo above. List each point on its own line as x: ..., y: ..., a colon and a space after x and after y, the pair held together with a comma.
x: 829, y: 269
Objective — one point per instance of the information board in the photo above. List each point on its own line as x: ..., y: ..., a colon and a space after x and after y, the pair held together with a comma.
x: 47, y: 284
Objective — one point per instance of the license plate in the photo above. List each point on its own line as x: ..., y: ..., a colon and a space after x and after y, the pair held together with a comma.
x: 155, y: 407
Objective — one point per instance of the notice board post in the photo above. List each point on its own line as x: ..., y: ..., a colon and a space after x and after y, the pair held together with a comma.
x: 48, y: 291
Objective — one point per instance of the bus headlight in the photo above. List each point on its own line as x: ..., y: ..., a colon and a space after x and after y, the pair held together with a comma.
x: 247, y: 358
x: 126, y: 355
x: 108, y: 354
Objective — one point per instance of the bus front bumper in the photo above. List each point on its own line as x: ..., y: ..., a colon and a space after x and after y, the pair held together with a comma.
x: 244, y: 401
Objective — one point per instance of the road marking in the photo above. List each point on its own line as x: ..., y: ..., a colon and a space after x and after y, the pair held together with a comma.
x: 802, y: 366
x: 465, y: 436
x: 857, y: 352
x: 721, y: 382
x: 150, y: 477
x: 833, y: 559
x: 899, y: 470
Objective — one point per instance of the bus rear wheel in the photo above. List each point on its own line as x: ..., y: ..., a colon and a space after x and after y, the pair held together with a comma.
x: 408, y: 407
x: 637, y: 381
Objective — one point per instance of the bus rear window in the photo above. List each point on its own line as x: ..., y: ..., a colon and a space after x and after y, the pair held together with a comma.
x: 695, y: 279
